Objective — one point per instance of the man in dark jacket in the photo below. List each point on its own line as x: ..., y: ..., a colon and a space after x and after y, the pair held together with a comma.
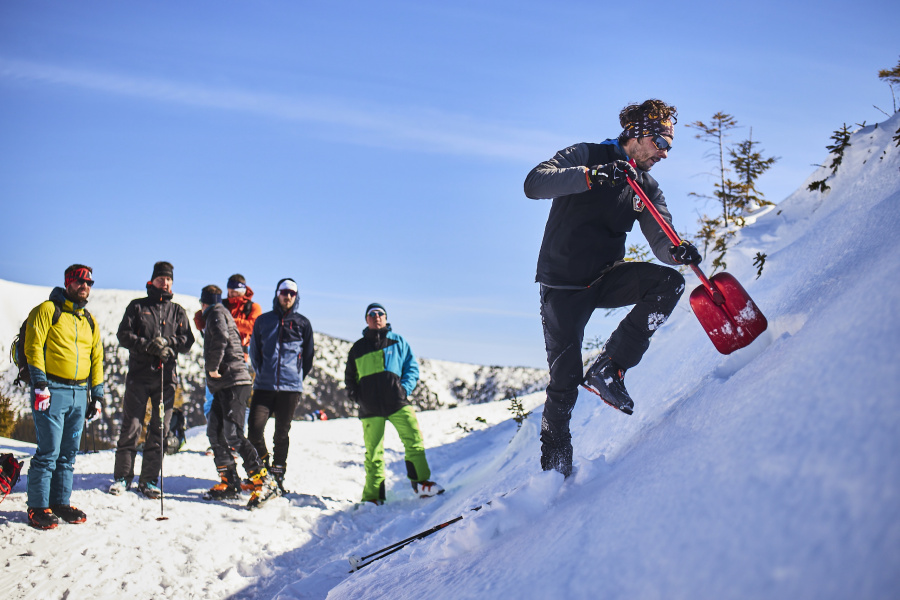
x: 581, y: 265
x: 281, y: 351
x: 154, y: 330
x: 381, y: 374
x: 229, y: 381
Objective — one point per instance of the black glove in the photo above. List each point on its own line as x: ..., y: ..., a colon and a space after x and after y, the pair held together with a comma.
x: 166, y: 354
x: 686, y: 254
x: 92, y: 411
x: 613, y: 173
x: 156, y: 345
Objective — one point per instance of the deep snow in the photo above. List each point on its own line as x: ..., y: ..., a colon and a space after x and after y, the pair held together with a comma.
x: 769, y: 473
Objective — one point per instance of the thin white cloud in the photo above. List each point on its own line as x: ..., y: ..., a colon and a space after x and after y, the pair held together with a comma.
x: 422, y: 130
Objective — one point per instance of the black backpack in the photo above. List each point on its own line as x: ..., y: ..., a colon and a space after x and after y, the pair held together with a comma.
x: 17, y: 348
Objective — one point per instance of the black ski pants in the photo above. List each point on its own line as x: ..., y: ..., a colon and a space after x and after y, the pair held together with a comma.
x: 654, y: 290
x: 225, y: 429
x: 137, y: 393
x: 281, y: 405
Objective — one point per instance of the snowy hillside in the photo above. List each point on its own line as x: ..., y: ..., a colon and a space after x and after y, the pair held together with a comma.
x: 769, y: 473
x: 442, y: 383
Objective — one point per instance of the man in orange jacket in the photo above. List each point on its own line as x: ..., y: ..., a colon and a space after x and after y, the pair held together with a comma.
x: 245, y: 312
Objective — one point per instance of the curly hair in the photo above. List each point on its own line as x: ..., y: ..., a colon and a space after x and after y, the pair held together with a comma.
x: 653, y: 108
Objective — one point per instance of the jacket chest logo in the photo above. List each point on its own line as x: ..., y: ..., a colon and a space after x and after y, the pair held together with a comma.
x: 637, y: 203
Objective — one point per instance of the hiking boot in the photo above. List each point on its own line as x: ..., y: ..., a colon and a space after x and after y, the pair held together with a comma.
x: 277, y: 473
x: 606, y: 379
x: 557, y: 459
x: 426, y: 489
x: 264, y: 488
x: 119, y: 486
x: 69, y: 514
x: 150, y: 489
x: 228, y: 488
x: 42, y: 518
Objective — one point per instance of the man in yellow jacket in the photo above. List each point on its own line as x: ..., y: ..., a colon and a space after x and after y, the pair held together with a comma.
x: 65, y: 361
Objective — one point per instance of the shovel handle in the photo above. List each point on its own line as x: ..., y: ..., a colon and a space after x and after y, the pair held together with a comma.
x: 673, y: 237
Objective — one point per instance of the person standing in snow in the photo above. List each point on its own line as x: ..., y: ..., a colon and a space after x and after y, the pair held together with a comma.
x: 229, y: 380
x: 154, y: 330
x: 65, y: 362
x: 244, y: 311
x: 381, y: 374
x: 582, y: 267
x: 281, y: 351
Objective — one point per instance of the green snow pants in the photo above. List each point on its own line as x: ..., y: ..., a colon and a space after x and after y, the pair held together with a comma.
x: 404, y: 420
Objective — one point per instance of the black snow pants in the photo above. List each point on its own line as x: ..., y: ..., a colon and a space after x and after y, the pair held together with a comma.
x: 281, y: 405
x: 654, y: 290
x: 137, y: 392
x: 225, y: 428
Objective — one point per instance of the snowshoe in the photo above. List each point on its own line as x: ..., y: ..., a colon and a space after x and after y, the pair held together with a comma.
x: 606, y: 379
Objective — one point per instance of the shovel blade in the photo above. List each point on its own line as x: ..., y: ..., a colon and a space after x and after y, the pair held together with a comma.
x: 733, y: 324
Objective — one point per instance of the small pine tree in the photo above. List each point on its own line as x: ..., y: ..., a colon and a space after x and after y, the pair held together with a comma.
x: 517, y: 409
x: 892, y: 77
x: 758, y: 261
x: 715, y: 133
x: 7, y: 417
x: 841, y: 139
x: 749, y: 165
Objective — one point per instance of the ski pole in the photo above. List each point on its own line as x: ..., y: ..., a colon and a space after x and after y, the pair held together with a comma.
x: 162, y: 440
x: 357, y: 564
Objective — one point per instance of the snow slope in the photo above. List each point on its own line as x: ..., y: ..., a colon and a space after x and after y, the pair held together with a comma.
x: 769, y: 473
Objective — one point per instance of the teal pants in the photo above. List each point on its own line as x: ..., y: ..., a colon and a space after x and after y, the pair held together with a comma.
x: 58, y: 431
x: 407, y: 426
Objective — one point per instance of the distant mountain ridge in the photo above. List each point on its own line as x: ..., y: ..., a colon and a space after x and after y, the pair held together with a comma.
x: 441, y: 384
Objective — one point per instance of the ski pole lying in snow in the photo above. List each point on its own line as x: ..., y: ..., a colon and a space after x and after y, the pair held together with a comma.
x: 356, y: 561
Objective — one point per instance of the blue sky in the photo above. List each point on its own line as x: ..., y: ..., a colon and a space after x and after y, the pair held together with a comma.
x: 376, y: 151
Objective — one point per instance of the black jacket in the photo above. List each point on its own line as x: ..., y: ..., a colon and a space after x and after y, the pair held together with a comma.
x: 147, y: 318
x: 222, y: 350
x: 586, y: 229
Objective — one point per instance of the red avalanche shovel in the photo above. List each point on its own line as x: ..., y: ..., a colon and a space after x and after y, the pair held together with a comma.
x: 726, y: 312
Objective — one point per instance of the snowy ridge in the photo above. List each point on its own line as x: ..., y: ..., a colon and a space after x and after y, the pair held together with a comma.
x: 769, y: 473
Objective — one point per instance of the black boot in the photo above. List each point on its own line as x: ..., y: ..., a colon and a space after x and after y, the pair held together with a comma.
x: 606, y: 379
x: 277, y: 473
x: 42, y: 518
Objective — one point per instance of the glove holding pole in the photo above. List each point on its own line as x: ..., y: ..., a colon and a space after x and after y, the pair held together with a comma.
x: 614, y: 173
x: 686, y: 253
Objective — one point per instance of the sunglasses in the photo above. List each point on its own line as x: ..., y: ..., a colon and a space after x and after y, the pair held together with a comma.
x: 376, y: 313
x: 88, y: 282
x: 661, y: 143
x: 290, y: 293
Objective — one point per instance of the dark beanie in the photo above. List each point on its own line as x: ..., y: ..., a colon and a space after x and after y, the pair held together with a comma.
x: 375, y: 305
x: 162, y: 269
x: 211, y: 294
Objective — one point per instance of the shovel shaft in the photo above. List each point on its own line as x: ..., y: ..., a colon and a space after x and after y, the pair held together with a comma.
x: 673, y: 237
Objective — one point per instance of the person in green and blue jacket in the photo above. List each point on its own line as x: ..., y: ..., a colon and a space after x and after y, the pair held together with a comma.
x: 381, y: 375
